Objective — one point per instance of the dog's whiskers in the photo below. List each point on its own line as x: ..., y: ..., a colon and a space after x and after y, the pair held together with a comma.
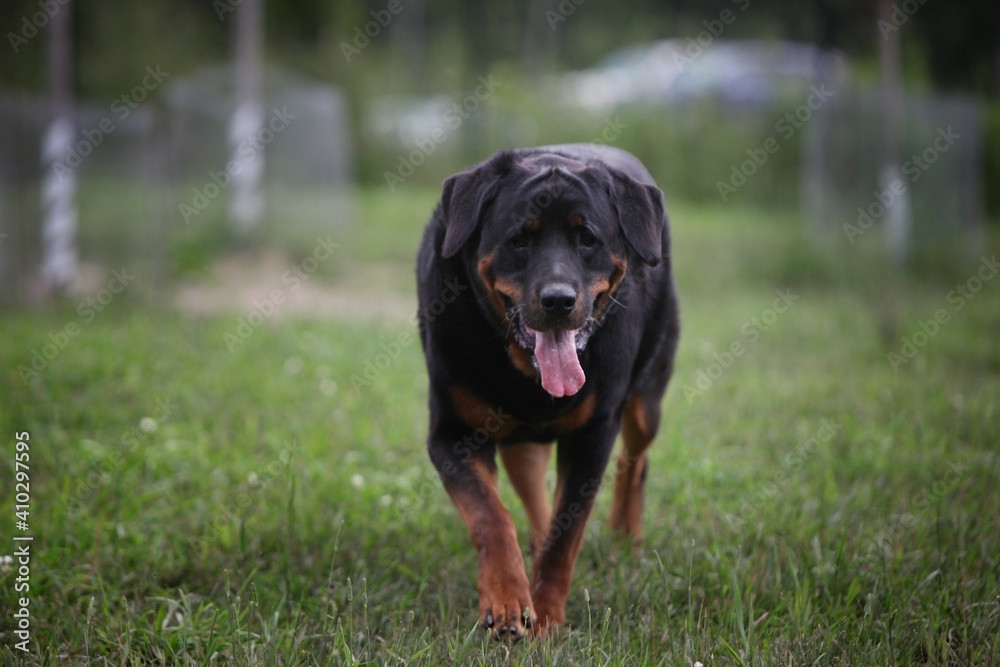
x: 512, y: 315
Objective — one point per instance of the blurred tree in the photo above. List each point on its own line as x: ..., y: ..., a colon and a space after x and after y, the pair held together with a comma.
x: 957, y: 45
x: 541, y: 40
x: 408, y: 32
x: 961, y: 42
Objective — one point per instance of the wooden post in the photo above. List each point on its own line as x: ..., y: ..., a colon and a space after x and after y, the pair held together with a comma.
x: 897, y: 222
x: 246, y: 201
x: 59, y: 217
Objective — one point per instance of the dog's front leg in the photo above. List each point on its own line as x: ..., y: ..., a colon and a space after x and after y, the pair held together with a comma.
x: 470, y: 477
x: 582, y: 457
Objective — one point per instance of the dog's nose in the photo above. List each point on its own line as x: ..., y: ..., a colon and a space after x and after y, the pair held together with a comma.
x: 558, y: 299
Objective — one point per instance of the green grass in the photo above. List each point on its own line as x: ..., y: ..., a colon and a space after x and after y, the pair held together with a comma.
x: 810, y: 506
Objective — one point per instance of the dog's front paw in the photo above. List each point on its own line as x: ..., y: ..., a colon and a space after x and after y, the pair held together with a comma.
x: 551, y: 610
x: 505, y: 607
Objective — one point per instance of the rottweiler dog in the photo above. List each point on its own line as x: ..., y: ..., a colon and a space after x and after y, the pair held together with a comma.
x: 547, y: 312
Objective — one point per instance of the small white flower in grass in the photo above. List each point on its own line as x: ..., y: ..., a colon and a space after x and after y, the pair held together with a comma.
x: 385, y: 500
x: 253, y: 480
x: 357, y: 481
x: 6, y: 563
x: 293, y: 365
x: 327, y: 387
x: 697, y: 664
x: 148, y: 424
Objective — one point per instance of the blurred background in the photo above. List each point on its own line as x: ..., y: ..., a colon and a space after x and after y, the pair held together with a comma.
x: 165, y: 136
x: 209, y: 216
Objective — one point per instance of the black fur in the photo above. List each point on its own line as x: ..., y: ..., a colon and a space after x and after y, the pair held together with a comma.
x: 467, y: 339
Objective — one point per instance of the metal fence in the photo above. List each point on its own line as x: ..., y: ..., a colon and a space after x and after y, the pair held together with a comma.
x: 154, y: 176
x: 939, y: 179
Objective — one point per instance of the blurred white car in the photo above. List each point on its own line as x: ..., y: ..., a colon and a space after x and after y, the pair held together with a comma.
x: 670, y: 72
x: 675, y: 71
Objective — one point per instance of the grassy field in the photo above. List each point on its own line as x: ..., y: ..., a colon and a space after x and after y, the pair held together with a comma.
x: 203, y: 497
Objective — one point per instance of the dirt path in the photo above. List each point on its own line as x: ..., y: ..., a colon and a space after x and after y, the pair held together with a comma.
x: 237, y: 284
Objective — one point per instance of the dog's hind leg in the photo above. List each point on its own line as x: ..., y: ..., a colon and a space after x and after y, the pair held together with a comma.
x: 640, y: 421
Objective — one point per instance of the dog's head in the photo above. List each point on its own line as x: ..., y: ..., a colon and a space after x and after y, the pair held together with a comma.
x: 551, y: 239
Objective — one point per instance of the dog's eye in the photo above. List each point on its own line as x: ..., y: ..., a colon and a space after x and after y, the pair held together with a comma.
x: 519, y: 241
x: 587, y: 240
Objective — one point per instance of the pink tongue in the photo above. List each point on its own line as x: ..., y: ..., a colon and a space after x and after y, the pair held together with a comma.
x: 558, y: 363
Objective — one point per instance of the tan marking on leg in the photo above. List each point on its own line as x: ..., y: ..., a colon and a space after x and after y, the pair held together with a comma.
x: 637, y: 434
x: 504, y: 592
x: 549, y: 591
x: 552, y: 571
x: 527, y: 464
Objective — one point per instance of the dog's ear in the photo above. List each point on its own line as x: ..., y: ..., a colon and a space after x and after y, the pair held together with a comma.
x: 641, y: 215
x: 463, y: 199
